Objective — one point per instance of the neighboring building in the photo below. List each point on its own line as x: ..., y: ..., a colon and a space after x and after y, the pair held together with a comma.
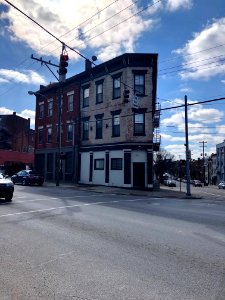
x: 16, y: 142
x: 48, y: 142
x: 115, y: 103
x: 212, y: 169
x: 220, y: 158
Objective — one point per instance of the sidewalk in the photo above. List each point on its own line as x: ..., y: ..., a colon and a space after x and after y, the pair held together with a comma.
x: 162, y: 192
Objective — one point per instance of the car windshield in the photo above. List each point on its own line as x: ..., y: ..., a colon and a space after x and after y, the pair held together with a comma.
x: 33, y: 173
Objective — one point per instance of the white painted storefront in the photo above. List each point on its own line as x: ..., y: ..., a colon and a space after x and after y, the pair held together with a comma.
x: 115, y: 177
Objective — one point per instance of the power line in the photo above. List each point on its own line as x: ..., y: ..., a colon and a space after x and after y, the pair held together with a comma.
x: 104, y: 21
x: 44, y: 29
x: 133, y: 15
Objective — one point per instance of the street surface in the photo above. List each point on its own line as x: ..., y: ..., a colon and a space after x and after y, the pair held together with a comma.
x: 63, y: 243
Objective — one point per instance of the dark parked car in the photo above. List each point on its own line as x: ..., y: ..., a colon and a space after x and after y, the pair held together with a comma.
x: 28, y: 177
x: 171, y: 183
x: 6, y: 188
x: 197, y: 183
x: 221, y: 185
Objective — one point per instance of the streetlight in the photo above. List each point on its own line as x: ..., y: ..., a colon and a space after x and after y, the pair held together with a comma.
x: 58, y: 134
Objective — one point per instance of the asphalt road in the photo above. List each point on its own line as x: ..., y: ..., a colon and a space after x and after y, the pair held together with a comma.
x: 60, y: 243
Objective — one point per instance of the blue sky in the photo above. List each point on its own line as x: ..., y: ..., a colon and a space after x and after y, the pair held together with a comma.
x: 188, y: 35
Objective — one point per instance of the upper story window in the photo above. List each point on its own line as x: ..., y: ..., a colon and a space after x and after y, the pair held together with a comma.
x: 41, y: 110
x: 86, y: 94
x: 116, y: 123
x: 50, y: 108
x: 139, y: 124
x: 99, y: 92
x: 69, y: 132
x: 85, y: 126
x: 139, y: 82
x: 49, y: 134
x: 40, y: 135
x: 116, y: 86
x: 99, y: 126
x: 70, y: 102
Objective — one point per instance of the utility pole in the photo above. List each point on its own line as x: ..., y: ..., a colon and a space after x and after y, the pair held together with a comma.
x: 63, y: 64
x: 203, y: 154
x: 188, y: 152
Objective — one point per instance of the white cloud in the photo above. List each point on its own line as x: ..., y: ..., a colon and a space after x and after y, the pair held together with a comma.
x: 199, y: 63
x: 174, y: 5
x: 66, y: 20
x: 28, y: 76
x: 5, y: 111
x: 28, y: 114
x: 24, y: 114
x: 223, y: 81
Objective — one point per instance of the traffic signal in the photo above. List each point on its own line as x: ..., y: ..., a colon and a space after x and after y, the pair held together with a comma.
x: 63, y: 64
x: 126, y: 95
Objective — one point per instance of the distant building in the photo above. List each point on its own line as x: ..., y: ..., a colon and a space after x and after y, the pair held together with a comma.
x: 220, y: 158
x: 16, y: 142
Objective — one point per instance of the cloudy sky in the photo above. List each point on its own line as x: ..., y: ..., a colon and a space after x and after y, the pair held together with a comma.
x: 188, y: 35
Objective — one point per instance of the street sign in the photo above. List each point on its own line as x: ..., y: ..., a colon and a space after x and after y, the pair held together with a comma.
x: 136, y: 102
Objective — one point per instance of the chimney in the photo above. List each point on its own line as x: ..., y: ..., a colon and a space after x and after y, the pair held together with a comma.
x: 14, y: 113
x: 88, y: 64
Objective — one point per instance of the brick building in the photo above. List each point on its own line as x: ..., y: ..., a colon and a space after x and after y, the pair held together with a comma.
x: 48, y: 142
x: 16, y: 142
x: 115, y: 121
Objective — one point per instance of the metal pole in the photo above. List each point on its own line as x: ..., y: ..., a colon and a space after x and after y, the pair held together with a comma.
x: 59, y: 137
x: 188, y: 154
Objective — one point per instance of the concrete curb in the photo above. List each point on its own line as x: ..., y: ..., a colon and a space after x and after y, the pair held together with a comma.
x: 161, y: 193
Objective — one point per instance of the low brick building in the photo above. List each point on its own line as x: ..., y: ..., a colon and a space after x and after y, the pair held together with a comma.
x: 16, y: 142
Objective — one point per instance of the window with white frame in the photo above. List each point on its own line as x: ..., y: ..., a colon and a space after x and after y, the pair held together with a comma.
x: 41, y: 110
x: 49, y: 134
x: 86, y: 94
x: 40, y: 135
x: 99, y: 126
x: 70, y: 102
x: 99, y: 164
x: 99, y: 92
x: 69, y: 132
x: 85, y: 128
x: 139, y: 124
x: 116, y: 123
x: 116, y: 164
x: 50, y: 108
x: 139, y: 84
x: 116, y: 87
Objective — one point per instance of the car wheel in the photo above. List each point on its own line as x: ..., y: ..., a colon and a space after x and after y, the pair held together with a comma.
x: 8, y: 198
x: 24, y: 182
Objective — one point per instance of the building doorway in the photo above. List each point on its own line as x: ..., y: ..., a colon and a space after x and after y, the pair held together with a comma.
x: 139, y: 175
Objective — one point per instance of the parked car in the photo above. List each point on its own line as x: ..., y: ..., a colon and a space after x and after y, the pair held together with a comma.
x: 221, y: 185
x: 6, y: 188
x: 28, y: 177
x: 197, y: 183
x: 171, y: 183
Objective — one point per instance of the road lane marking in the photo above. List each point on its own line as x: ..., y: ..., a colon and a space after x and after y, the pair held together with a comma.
x: 63, y: 207
x: 51, y: 198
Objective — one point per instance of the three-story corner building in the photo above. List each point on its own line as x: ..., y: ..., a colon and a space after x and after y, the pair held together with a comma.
x: 109, y: 124
x: 50, y: 142
x: 117, y: 114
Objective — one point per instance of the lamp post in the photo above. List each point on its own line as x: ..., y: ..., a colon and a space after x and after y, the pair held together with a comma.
x: 58, y: 160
